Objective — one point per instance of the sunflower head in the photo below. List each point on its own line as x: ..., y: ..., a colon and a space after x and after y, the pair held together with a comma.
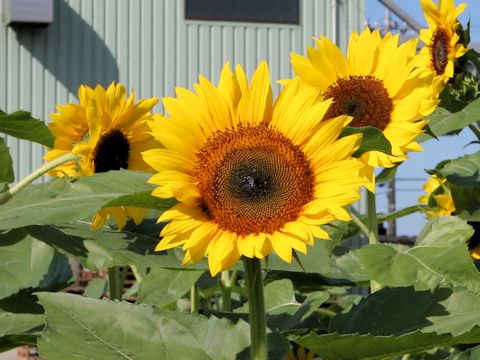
x: 108, y: 131
x: 376, y: 85
x: 437, y: 198
x: 251, y: 177
x: 442, y: 40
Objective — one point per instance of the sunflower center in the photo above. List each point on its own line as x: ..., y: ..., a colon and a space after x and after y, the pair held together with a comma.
x: 253, y: 180
x: 439, y: 50
x: 111, y: 152
x: 362, y: 97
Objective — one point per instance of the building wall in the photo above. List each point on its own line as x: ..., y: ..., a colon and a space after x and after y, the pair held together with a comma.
x: 148, y: 46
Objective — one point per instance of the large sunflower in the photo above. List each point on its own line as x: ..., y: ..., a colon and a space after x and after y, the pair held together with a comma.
x: 375, y: 84
x: 108, y: 131
x: 441, y: 39
x: 251, y: 178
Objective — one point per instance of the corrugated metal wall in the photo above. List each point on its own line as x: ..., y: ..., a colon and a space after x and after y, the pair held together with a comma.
x: 148, y: 46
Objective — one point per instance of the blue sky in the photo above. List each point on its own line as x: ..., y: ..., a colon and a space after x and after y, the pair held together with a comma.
x: 448, y: 147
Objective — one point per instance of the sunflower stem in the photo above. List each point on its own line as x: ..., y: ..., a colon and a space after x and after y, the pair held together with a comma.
x: 372, y: 230
x: 360, y: 224
x: 256, y: 308
x: 7, y: 195
x: 226, y: 283
x: 194, y: 299
x: 136, y: 273
x: 114, y: 283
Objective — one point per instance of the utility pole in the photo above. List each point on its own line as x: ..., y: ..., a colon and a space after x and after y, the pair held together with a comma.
x: 411, y: 22
x: 391, y: 200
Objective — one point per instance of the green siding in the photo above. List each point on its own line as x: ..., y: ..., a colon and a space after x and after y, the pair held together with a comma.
x: 148, y: 46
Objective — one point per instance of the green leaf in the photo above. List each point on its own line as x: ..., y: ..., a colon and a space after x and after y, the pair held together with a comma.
x: 283, y: 310
x: 29, y: 263
x: 442, y: 121
x: 22, y: 125
x: 440, y: 257
x: 373, y: 140
x: 467, y: 202
x: 369, y: 347
x: 106, y: 248
x: 470, y: 354
x: 161, y: 287
x: 344, y: 269
x: 317, y: 257
x: 6, y: 168
x: 279, y: 296
x: 463, y: 171
x: 390, y: 311
x: 386, y: 175
x: 118, y: 330
x: 95, y: 288
x: 396, y: 311
x: 143, y: 199
x: 21, y: 320
x: 461, y: 314
x: 61, y: 201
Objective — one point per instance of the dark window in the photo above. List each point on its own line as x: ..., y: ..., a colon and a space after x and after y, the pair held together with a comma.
x: 274, y: 11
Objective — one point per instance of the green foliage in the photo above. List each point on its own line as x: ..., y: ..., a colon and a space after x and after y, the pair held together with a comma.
x: 21, y: 320
x: 162, y: 287
x: 27, y: 263
x: 439, y: 258
x: 429, y: 300
x: 470, y: 354
x: 96, y: 288
x: 6, y: 168
x: 102, y: 249
x: 61, y: 201
x: 22, y: 125
x: 116, y: 330
x: 463, y: 180
x: 463, y: 171
x: 443, y: 121
x: 453, y: 311
x: 373, y: 140
x: 336, y: 346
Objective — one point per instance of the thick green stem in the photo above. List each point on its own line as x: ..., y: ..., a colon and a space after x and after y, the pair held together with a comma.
x: 194, y: 299
x: 372, y: 230
x: 136, y: 273
x: 360, y: 224
x: 256, y: 308
x: 372, y: 218
x: 114, y: 283
x: 227, y: 281
x: 35, y: 175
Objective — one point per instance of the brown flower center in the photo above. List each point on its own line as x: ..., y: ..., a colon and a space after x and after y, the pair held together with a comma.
x: 362, y: 97
x: 439, y: 50
x: 253, y: 179
x: 112, y: 152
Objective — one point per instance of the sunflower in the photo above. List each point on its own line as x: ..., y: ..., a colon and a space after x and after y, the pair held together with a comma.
x: 300, y: 355
x: 250, y: 177
x: 108, y: 131
x: 375, y: 84
x: 442, y: 39
x: 438, y: 197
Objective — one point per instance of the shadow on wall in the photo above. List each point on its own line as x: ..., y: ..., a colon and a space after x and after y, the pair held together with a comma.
x: 70, y: 49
